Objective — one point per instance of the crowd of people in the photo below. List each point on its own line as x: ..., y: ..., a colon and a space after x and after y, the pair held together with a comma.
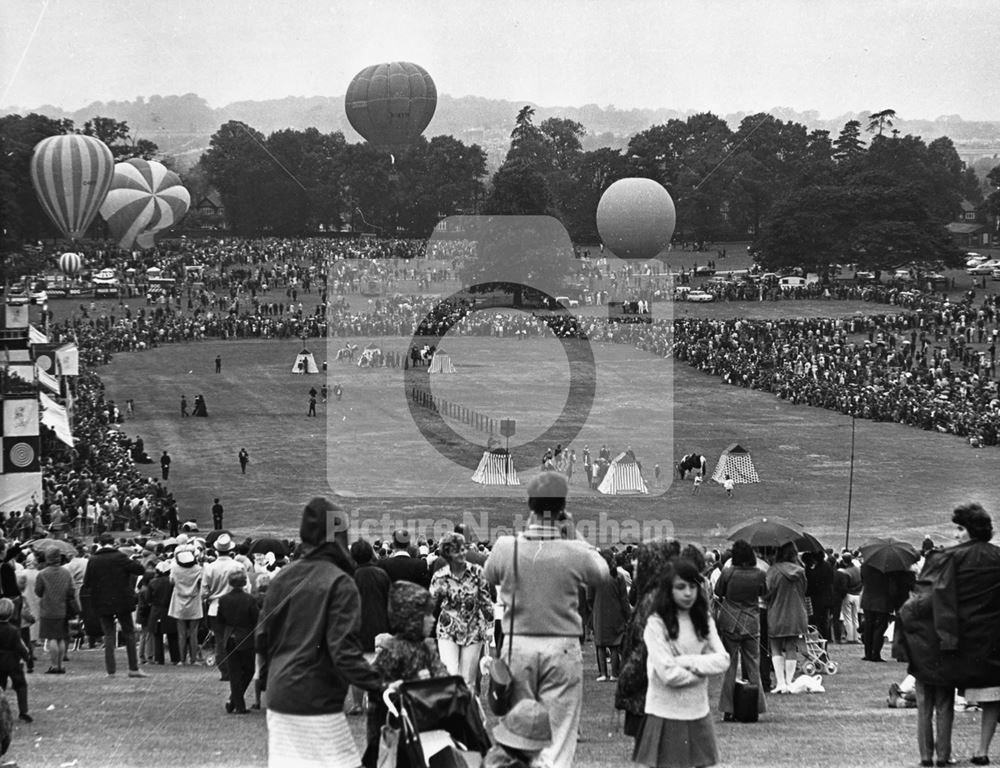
x: 410, y: 607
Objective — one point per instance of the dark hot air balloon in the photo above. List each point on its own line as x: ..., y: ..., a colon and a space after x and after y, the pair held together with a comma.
x: 391, y: 104
x: 71, y: 175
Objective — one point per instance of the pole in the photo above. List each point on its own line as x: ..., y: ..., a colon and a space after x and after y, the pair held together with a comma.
x: 850, y: 489
x: 506, y: 471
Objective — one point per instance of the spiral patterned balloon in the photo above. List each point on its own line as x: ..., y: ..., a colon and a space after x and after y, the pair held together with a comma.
x: 145, y: 197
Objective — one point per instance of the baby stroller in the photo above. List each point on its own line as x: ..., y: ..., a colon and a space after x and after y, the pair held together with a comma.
x: 817, y: 658
x: 435, y: 723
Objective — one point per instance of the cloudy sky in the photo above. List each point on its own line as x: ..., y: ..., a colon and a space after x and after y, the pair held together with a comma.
x: 923, y: 58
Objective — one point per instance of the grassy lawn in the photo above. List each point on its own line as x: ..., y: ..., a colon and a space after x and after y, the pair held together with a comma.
x: 176, y: 718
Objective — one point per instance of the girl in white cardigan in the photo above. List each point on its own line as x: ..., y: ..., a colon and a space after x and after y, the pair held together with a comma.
x: 683, y: 649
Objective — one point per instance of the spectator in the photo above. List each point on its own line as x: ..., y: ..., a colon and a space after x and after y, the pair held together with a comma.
x: 54, y: 585
x: 786, y: 613
x: 544, y: 625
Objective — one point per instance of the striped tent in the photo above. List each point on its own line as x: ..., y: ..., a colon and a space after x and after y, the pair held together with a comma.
x: 493, y: 469
x: 735, y: 461
x: 623, y: 476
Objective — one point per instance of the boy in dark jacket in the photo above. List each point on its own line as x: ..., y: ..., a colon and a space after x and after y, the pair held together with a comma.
x: 238, y: 614
x: 12, y: 652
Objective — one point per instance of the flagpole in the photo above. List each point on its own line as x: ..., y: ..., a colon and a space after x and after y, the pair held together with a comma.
x: 850, y: 489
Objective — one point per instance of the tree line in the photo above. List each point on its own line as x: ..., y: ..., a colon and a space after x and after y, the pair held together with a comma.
x: 802, y: 197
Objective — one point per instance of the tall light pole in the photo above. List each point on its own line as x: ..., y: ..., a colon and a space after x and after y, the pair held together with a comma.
x: 850, y: 489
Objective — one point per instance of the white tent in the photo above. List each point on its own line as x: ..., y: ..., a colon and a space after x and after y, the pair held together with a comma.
x: 623, y: 476
x: 735, y: 461
x: 496, y: 469
x: 305, y: 363
x: 441, y: 363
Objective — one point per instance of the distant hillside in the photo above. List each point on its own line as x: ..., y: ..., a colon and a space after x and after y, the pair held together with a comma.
x: 182, y: 125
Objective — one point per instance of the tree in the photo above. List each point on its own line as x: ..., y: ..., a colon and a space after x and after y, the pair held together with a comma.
x: 118, y: 137
x: 236, y: 164
x: 563, y: 136
x: 21, y: 215
x: 848, y: 145
x: 881, y: 120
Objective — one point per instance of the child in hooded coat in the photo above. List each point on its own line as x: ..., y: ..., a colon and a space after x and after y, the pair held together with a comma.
x: 12, y: 652
x: 407, y: 654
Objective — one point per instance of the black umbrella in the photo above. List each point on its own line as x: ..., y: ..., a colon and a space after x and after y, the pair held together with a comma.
x: 809, y: 543
x: 269, y: 544
x: 767, y: 532
x: 888, y: 555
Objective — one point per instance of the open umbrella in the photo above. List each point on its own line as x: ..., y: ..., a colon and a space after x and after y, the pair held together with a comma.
x: 269, y: 544
x: 888, y: 555
x: 61, y: 545
x: 809, y: 543
x: 213, y: 535
x: 766, y: 532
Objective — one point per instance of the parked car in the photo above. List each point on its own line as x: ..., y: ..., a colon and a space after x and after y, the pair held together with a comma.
x: 792, y: 282
x: 984, y: 268
x: 864, y: 275
x: 566, y: 301
x: 974, y: 259
x: 902, y: 274
x: 701, y: 296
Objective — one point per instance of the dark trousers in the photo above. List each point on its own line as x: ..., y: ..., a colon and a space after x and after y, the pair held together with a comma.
x: 20, y: 685
x: 873, y: 633
x: 221, y: 660
x: 128, y: 635
x: 241, y: 662
x: 26, y: 637
x: 821, y: 618
x: 765, y: 653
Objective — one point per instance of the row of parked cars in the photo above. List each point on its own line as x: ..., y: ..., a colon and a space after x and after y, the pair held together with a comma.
x: 978, y: 265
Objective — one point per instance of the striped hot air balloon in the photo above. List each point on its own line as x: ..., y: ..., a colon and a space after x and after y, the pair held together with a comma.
x: 391, y: 104
x: 70, y: 263
x: 71, y: 175
x: 145, y: 197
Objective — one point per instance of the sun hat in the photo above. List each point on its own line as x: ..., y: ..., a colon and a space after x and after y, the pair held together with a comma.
x: 185, y: 557
x: 526, y: 726
x: 224, y: 543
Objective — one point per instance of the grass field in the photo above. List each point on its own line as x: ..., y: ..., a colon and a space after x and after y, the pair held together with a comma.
x: 175, y: 719
x: 905, y: 480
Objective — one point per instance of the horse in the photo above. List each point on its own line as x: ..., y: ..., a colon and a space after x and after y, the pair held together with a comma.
x: 347, y: 353
x: 692, y: 462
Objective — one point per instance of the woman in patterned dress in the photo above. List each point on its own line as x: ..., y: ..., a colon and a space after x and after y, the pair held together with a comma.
x: 465, y: 605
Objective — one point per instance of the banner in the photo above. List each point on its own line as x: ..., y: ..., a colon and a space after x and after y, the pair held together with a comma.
x: 47, y: 380
x: 68, y: 360
x: 54, y: 417
x: 45, y: 356
x: 19, y: 490
x: 15, y: 316
x: 21, y: 455
x: 20, y: 417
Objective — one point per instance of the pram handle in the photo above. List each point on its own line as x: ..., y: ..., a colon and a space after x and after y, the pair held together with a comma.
x: 391, y: 689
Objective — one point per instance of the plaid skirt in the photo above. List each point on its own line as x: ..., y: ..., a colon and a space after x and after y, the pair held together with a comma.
x: 665, y: 743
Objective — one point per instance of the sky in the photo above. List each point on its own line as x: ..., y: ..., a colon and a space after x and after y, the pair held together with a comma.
x: 922, y: 58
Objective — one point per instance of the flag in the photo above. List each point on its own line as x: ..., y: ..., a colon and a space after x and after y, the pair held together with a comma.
x: 21, y: 454
x: 55, y: 418
x: 68, y: 360
x: 45, y: 356
x: 35, y: 336
x: 47, y: 380
x: 17, y: 491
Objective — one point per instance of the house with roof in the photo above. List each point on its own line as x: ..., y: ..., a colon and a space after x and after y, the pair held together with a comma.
x: 970, y: 230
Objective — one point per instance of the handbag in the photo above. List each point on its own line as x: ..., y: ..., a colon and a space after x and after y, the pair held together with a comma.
x: 500, y: 693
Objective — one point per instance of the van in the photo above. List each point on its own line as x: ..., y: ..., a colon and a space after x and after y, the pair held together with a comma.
x: 792, y: 282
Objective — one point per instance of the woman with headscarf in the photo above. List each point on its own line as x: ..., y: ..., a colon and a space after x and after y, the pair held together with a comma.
x: 54, y: 585
x: 787, y: 618
x: 949, y: 635
x: 185, y: 601
x: 465, y: 606
x: 738, y: 589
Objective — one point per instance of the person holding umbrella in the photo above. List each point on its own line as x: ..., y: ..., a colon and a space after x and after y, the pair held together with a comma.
x: 887, y: 580
x: 787, y: 620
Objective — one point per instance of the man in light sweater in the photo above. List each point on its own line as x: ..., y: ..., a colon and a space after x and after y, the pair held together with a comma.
x: 215, y: 584
x: 541, y: 617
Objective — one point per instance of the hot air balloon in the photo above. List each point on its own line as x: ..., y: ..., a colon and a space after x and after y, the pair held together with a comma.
x: 636, y: 218
x: 145, y: 197
x: 71, y: 175
x: 70, y: 263
x: 391, y: 104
